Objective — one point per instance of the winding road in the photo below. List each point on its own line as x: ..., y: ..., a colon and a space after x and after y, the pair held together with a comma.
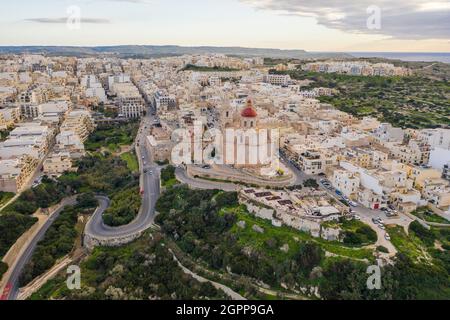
x: 95, y: 228
x: 196, y: 183
x: 150, y: 185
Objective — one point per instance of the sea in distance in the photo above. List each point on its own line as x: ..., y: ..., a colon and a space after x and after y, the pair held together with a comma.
x: 406, y: 56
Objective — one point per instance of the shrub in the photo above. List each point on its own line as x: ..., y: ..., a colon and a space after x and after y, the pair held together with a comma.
x: 382, y: 249
x: 309, y: 256
x: 422, y: 233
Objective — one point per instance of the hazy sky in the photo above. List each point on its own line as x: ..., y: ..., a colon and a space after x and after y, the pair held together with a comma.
x: 314, y: 25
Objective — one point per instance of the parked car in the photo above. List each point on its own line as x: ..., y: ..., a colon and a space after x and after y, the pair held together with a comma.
x: 353, y: 204
x: 387, y: 237
x: 381, y: 226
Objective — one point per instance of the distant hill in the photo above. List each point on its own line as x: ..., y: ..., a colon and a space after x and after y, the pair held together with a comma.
x: 160, y: 51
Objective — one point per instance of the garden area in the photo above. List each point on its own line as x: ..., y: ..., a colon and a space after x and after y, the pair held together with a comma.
x: 142, y: 270
x: 427, y: 215
x: 112, y: 137
x: 131, y: 160
x: 5, y: 197
x: 168, y: 178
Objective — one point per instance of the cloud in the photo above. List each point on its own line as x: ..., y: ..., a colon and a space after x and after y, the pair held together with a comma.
x: 401, y: 19
x: 64, y: 20
x: 129, y: 1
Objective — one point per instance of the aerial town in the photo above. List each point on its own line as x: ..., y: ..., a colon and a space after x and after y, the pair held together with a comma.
x: 331, y: 166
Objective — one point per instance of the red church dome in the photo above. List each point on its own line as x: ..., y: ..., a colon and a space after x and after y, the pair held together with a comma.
x: 249, y: 111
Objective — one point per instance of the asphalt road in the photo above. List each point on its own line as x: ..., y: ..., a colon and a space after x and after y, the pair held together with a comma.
x: 151, y: 187
x: 95, y: 226
x: 28, y: 253
x: 182, y: 176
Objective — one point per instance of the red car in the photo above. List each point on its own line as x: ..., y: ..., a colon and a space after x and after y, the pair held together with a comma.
x: 6, y: 292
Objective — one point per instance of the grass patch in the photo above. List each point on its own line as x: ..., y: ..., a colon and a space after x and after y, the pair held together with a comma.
x: 139, y: 270
x: 409, y: 245
x: 275, y: 237
x: 5, y: 197
x: 168, y: 178
x: 428, y: 216
x: 112, y: 137
x: 131, y: 160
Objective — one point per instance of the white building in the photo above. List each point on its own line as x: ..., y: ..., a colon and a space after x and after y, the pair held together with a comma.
x: 277, y: 79
x: 346, y: 182
x: 15, y: 173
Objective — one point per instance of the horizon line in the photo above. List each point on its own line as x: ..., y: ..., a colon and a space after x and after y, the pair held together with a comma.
x: 210, y: 46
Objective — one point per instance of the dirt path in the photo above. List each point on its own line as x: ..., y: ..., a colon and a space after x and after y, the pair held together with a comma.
x: 232, y: 294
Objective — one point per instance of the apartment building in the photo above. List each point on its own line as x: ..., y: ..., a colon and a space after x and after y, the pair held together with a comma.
x: 129, y: 100
x: 406, y: 200
x: 15, y: 173
x: 314, y: 162
x: 94, y: 88
x: 365, y: 157
x: 439, y: 158
x: 373, y: 194
x: 58, y: 163
x: 162, y: 101
x: 8, y: 117
x: 30, y: 99
x: 423, y: 174
x: 69, y: 141
x: 437, y: 192
x: 119, y: 78
x: 29, y: 139
x: 415, y: 152
x: 79, y: 122
x: 436, y: 138
x: 446, y: 172
x: 369, y: 199
x: 277, y: 79
x: 357, y: 68
x: 52, y: 108
x: 346, y: 182
x: 160, y: 142
x: 387, y: 133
